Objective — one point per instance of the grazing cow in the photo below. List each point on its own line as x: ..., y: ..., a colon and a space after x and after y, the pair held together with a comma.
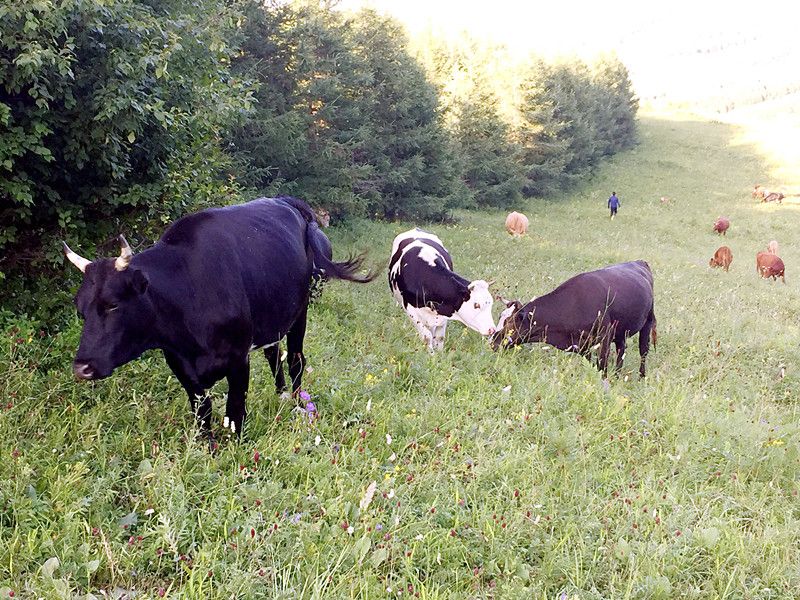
x: 772, y: 247
x: 722, y: 258
x: 516, y: 224
x: 587, y: 313
x: 773, y: 197
x: 219, y: 283
x: 759, y: 191
x: 721, y: 225
x: 423, y: 282
x: 770, y: 265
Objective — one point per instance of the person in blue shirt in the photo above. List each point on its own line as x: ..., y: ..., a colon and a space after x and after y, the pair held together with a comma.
x: 613, y: 204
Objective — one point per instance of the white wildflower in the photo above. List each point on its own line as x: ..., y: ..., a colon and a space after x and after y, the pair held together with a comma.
x: 388, y: 439
x: 393, y: 457
x: 317, y: 440
x: 149, y: 512
x: 418, y: 537
x: 350, y: 530
x: 226, y: 422
x: 390, y: 495
x: 369, y: 405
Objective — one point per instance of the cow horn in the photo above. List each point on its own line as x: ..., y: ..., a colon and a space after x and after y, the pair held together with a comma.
x: 75, y: 259
x: 125, y: 255
x: 491, y: 283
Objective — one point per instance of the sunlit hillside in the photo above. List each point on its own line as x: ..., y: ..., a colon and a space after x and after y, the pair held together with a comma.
x: 711, y: 55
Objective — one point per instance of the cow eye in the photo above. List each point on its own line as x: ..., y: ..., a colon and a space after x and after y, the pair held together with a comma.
x: 477, y: 305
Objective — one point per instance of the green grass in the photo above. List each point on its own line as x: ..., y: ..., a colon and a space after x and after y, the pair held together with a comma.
x: 513, y: 475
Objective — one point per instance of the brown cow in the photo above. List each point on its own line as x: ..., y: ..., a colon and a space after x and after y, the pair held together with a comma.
x: 768, y: 265
x: 721, y: 225
x: 722, y: 258
x: 773, y: 197
x: 759, y: 191
x: 772, y: 247
x: 516, y: 224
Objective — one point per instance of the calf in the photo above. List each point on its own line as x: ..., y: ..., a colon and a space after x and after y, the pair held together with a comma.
x: 423, y: 282
x: 722, y: 258
x: 218, y: 284
x: 770, y: 265
x: 587, y: 313
x: 759, y: 191
x: 772, y: 247
x: 721, y: 225
x: 516, y: 224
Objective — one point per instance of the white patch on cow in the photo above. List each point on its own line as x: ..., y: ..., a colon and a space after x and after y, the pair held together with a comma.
x: 427, y: 252
x: 476, y: 311
x: 414, y: 234
x: 429, y: 324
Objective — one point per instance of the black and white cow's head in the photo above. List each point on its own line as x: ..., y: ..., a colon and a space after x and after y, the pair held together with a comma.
x: 476, y: 310
x: 118, y: 314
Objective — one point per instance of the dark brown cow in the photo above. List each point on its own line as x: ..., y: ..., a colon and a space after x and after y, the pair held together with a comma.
x: 587, y: 313
x: 721, y: 225
x: 773, y: 197
x: 769, y: 265
x: 722, y: 258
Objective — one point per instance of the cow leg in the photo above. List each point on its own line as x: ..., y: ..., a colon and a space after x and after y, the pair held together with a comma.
x: 424, y: 332
x: 644, y: 341
x: 438, y: 335
x: 602, y: 356
x: 294, y: 345
x: 619, y: 342
x: 199, y: 400
x: 238, y: 382
x: 273, y: 356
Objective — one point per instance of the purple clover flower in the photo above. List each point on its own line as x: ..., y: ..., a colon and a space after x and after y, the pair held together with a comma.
x: 305, y: 396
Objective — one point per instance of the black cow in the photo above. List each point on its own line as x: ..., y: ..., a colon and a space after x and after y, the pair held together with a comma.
x: 219, y: 283
x: 587, y: 313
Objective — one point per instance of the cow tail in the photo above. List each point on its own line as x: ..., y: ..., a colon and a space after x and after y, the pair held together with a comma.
x: 347, y: 269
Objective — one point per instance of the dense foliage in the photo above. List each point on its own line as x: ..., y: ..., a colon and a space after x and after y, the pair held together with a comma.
x: 124, y: 114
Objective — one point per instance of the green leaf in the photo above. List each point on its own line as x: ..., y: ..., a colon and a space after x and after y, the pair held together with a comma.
x: 361, y: 548
x: 379, y: 556
x: 131, y: 137
x: 50, y: 565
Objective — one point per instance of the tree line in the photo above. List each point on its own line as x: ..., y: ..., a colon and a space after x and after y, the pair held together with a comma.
x: 125, y: 114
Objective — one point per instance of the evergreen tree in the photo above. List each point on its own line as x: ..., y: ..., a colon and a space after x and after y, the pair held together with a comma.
x: 414, y: 169
x: 542, y: 133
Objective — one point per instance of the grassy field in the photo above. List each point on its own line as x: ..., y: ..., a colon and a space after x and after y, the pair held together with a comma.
x: 516, y: 475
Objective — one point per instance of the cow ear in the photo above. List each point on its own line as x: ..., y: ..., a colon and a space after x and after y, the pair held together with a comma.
x: 139, y: 281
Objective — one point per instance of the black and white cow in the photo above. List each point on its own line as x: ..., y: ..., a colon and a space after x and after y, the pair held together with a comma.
x: 423, y: 282
x: 219, y: 283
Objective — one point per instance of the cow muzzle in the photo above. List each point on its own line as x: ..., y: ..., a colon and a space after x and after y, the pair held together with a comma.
x: 83, y: 370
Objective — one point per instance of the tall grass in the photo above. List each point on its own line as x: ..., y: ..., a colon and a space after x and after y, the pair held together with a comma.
x: 515, y: 475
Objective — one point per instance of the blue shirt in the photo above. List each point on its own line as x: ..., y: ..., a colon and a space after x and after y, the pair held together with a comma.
x: 613, y: 202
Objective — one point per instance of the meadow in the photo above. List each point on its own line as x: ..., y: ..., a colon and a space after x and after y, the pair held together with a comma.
x: 466, y: 474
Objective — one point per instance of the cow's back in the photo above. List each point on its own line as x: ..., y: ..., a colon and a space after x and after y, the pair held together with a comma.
x: 622, y: 292
x: 248, y: 263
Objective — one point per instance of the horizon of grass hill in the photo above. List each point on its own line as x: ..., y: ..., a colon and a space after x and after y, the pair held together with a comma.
x: 496, y: 475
